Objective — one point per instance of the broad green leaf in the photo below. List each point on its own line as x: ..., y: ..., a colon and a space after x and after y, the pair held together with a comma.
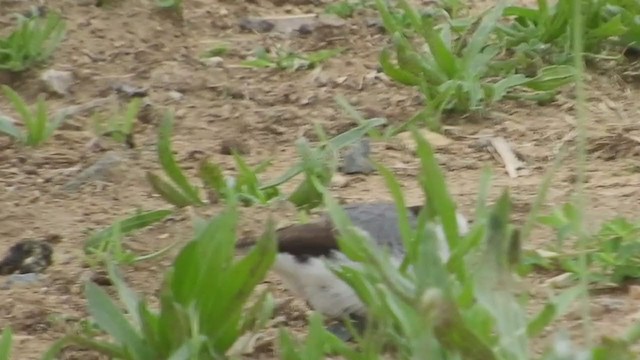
x: 613, y: 27
x: 238, y: 284
x: 6, y: 340
x: 481, y: 36
x: 168, y: 192
x: 126, y: 295
x: 394, y: 72
x: 112, y: 320
x: 502, y: 87
x: 552, y: 78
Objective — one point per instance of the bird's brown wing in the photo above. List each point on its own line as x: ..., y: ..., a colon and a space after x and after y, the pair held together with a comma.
x: 302, y: 240
x: 309, y: 239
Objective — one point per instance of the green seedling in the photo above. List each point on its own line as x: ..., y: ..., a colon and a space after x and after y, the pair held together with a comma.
x: 32, y: 42
x: 38, y: 127
x: 181, y: 193
x: 317, y: 165
x: 218, y: 50
x: 202, y: 300
x: 287, y: 60
x: 120, y: 125
x: 613, y: 253
x: 245, y: 184
x: 457, y: 73
x: 542, y: 35
x: 6, y: 340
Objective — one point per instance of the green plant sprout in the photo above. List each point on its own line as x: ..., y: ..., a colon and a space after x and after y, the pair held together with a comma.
x: 542, y: 35
x: 32, y: 42
x: 457, y: 73
x: 613, y: 253
x: 180, y: 192
x: 38, y: 127
x: 203, y: 301
x: 120, y: 125
x: 287, y: 60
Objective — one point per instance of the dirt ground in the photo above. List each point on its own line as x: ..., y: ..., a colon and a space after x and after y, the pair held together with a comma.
x: 130, y: 43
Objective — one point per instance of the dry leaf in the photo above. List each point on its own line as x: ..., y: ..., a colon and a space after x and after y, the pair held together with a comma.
x: 436, y: 140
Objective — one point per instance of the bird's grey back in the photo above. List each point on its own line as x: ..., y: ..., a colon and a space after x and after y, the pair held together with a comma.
x: 380, y: 220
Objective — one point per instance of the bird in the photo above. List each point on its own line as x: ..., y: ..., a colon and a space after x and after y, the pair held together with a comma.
x: 27, y: 256
x: 303, y: 251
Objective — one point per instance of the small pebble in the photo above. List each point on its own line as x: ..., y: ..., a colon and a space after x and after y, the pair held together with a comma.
x: 339, y: 181
x: 561, y: 281
x: 215, y: 61
x: 20, y: 279
x: 356, y: 160
x: 57, y: 81
x: 176, y: 95
x: 100, y: 170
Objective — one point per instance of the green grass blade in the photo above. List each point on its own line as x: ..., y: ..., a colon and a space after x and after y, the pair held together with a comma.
x: 442, y: 55
x: 336, y: 143
x: 135, y: 222
x: 403, y: 220
x: 169, y: 163
x: 41, y: 120
x: 20, y: 106
x: 434, y: 185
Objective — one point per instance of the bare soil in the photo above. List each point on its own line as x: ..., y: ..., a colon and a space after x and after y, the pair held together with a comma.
x: 130, y: 42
